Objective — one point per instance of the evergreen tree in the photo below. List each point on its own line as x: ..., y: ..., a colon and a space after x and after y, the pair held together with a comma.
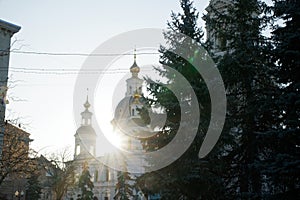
x: 85, y: 184
x: 123, y: 188
x: 247, y: 73
x: 33, y: 191
x: 188, y: 177
x: 284, y: 161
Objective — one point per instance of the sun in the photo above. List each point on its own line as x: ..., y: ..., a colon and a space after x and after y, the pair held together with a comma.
x: 115, y: 139
x: 108, y: 141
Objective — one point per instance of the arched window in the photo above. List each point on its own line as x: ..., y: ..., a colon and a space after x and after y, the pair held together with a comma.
x: 96, y: 176
x: 107, y: 175
x: 77, y: 149
x: 92, y: 150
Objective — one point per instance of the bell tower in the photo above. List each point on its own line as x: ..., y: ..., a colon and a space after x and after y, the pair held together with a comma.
x: 134, y: 83
x: 85, y: 136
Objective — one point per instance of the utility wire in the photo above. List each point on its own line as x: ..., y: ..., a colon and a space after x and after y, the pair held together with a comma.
x: 5, y: 52
x: 64, y: 71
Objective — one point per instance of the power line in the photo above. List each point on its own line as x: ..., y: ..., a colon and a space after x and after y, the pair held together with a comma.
x: 69, y: 71
x: 66, y: 73
x: 3, y: 52
x: 65, y: 69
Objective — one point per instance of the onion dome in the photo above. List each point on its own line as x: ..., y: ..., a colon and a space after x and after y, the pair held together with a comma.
x: 86, y: 130
x: 134, y: 69
x: 87, y: 105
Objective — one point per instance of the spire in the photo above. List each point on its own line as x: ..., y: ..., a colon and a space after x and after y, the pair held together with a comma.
x: 87, y: 105
x: 86, y: 114
x: 134, y: 69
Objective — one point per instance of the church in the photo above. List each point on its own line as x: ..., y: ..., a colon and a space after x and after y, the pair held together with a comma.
x: 128, y: 124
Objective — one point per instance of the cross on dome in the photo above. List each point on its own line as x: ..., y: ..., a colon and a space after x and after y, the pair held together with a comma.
x: 134, y: 69
x: 87, y: 105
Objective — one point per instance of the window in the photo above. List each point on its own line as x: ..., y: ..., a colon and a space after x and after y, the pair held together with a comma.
x: 92, y: 150
x: 106, y: 197
x: 49, y: 172
x: 77, y: 149
x: 96, y: 176
x: 107, y: 175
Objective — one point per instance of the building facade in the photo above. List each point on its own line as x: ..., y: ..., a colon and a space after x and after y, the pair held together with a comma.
x: 7, y: 30
x: 15, y: 165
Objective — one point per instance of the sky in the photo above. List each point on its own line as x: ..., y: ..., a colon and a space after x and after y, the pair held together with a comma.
x: 42, y: 101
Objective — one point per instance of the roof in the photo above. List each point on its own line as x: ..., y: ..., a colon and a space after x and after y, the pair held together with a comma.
x: 9, y: 26
x: 86, y: 130
x: 122, y: 109
x: 12, y: 129
x: 134, y: 68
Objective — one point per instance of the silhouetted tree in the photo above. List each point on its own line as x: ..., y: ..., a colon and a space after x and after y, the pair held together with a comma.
x: 85, y: 184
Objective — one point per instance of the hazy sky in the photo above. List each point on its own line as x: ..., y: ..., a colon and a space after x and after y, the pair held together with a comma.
x: 46, y: 106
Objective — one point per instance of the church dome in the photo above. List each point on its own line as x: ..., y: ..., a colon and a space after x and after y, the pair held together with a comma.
x: 86, y: 130
x: 134, y: 68
x: 122, y: 109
